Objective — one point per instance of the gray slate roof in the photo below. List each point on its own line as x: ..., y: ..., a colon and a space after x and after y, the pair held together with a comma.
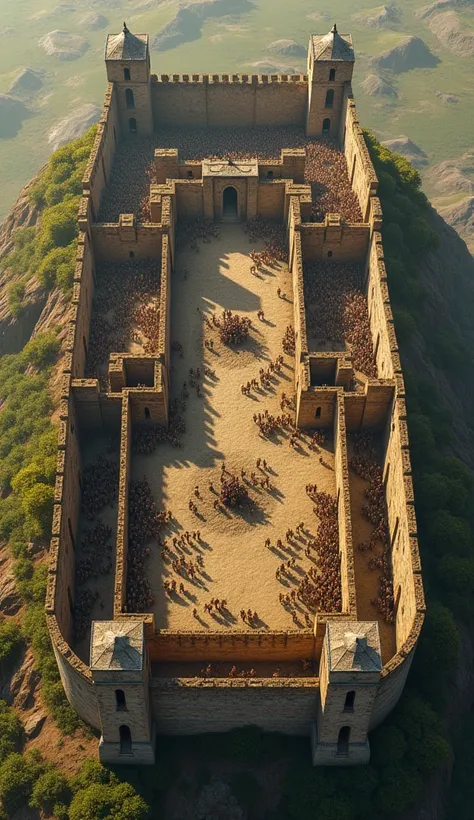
x: 333, y: 46
x: 353, y: 646
x: 126, y: 46
x: 117, y: 645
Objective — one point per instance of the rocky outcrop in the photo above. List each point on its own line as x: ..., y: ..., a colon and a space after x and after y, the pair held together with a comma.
x: 452, y: 34
x: 27, y: 81
x: 63, y: 45
x: 264, y: 67
x: 74, y: 125
x: 376, y: 86
x: 380, y: 17
x: 287, y: 48
x: 408, y: 149
x: 93, y: 21
x: 410, y: 53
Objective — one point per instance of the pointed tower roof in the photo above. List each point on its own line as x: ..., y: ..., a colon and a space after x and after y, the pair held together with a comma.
x: 117, y: 645
x: 353, y: 646
x: 333, y: 46
x: 126, y: 46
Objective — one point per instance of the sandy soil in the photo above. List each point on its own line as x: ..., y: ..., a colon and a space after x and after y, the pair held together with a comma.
x: 220, y: 427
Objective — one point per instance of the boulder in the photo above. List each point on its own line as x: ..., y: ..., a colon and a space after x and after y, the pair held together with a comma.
x: 410, y: 53
x: 10, y: 601
x: 33, y: 724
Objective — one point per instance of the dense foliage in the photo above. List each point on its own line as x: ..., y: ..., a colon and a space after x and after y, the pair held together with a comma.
x: 49, y: 249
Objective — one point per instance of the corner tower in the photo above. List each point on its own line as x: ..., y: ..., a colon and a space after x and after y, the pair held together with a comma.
x: 330, y: 67
x: 127, y: 58
x: 349, y: 675
x: 120, y: 673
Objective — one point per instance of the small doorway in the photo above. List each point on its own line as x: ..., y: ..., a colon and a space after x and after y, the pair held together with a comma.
x: 132, y: 125
x: 229, y: 204
x: 125, y: 740
x: 326, y: 126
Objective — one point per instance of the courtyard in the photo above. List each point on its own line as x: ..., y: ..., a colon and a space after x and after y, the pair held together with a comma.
x: 237, y: 567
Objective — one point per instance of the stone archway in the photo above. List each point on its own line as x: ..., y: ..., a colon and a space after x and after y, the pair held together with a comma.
x: 230, y: 203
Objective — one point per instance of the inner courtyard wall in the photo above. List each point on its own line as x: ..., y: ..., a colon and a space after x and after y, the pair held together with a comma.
x: 237, y: 101
x: 165, y: 645
x: 341, y: 467
x: 349, y: 243
x: 114, y: 244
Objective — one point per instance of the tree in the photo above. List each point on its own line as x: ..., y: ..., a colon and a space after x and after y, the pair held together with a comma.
x: 11, y: 731
x: 50, y: 789
x: 106, y: 800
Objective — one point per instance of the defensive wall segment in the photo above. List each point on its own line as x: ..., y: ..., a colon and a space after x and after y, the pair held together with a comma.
x: 326, y: 398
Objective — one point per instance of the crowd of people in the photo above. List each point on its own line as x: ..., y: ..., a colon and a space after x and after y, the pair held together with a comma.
x: 336, y: 310
x: 269, y: 424
x: 289, y: 341
x: 321, y: 586
x: 99, y: 483
x: 144, y: 524
x: 126, y: 310
x: 233, y: 492
x: 146, y: 437
x: 274, y: 236
x: 232, y: 328
x: 134, y: 169
x: 365, y: 464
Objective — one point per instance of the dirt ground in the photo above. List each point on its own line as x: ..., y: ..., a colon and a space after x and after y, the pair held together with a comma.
x: 220, y: 428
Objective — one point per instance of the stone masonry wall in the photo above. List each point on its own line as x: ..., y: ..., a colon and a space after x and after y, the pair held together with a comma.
x: 238, y: 100
x: 98, y: 169
x: 190, y: 706
x: 341, y: 468
x: 114, y: 244
x: 120, y: 593
x: 231, y: 645
x: 349, y: 244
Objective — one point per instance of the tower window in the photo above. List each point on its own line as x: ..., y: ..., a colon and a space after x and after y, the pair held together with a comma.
x: 131, y: 254
x: 147, y: 412
x: 120, y: 700
x: 132, y: 125
x: 329, y: 98
x: 270, y: 175
x: 125, y: 740
x: 326, y: 125
x: 332, y: 74
x: 329, y: 254
x: 126, y: 74
x: 130, y: 100
x: 349, y: 701
x: 318, y: 413
x: 190, y: 175
x: 343, y: 740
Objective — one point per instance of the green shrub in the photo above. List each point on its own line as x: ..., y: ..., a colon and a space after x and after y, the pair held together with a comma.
x: 11, y: 731
x: 18, y: 774
x: 10, y: 641
x: 49, y: 790
x: 15, y: 295
x: 113, y: 801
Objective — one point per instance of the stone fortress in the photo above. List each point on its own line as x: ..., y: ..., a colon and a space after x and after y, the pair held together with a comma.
x: 133, y: 659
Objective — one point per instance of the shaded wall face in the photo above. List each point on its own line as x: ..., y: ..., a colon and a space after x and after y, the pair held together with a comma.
x: 183, y: 708
x: 113, y: 244
x: 99, y: 168
x: 320, y: 106
x: 380, y: 314
x: 348, y: 244
x: 167, y: 646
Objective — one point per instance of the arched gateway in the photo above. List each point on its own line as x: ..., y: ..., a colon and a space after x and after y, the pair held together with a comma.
x: 230, y: 204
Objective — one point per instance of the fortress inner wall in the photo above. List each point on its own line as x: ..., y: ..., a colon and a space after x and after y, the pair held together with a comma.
x: 120, y: 593
x: 117, y: 243
x: 98, y: 170
x: 380, y: 312
x: 341, y: 467
x: 271, y: 200
x: 237, y: 101
x: 348, y: 243
x: 186, y: 706
x: 232, y: 646
x: 82, y: 299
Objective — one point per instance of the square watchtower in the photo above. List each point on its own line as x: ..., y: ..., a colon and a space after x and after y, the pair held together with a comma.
x: 330, y: 66
x: 120, y: 672
x: 127, y: 59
